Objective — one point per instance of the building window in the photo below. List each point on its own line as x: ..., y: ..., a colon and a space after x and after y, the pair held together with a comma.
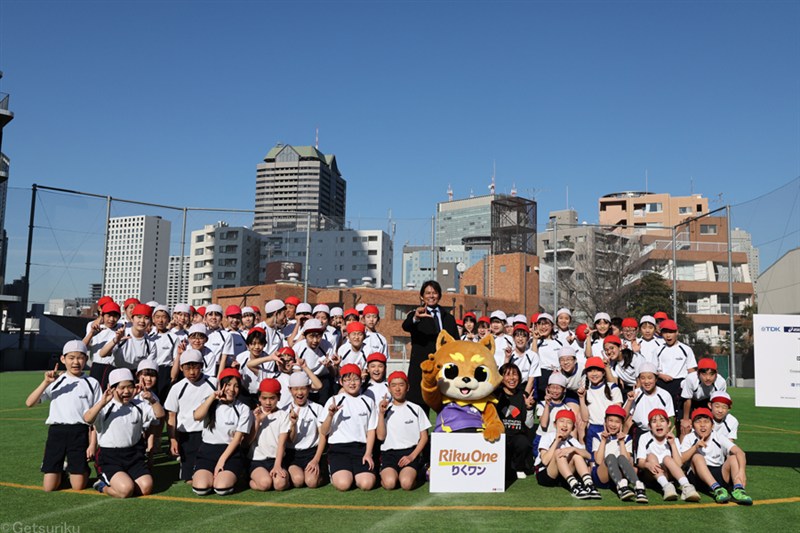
x: 199, y: 238
x: 654, y: 207
x: 502, y: 268
x: 199, y: 251
x: 708, y: 229
x: 684, y: 210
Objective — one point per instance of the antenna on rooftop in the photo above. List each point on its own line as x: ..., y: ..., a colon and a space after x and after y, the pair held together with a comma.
x: 494, y: 172
x: 513, y: 189
x: 316, y: 139
x: 449, y: 193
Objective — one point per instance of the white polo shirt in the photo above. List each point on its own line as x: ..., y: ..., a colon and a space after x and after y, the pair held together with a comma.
x: 70, y: 397
x: 575, y: 380
x: 100, y: 340
x: 548, y: 439
x: 548, y: 353
x: 501, y: 342
x: 220, y: 343
x: 121, y: 425
x: 404, y: 423
x: 315, y: 359
x: 239, y: 341
x: 728, y: 427
x: 628, y: 374
x: 717, y: 449
x: 350, y: 355
x: 308, y: 422
x: 527, y: 362
x: 650, y: 348
x: 210, y: 362
x: 643, y: 404
x: 130, y: 352
x: 692, y: 387
x: 252, y: 378
x: 166, y: 347
x: 357, y: 415
x: 286, y: 395
x: 551, y: 425
x: 377, y: 391
x: 648, y: 444
x: 230, y: 418
x: 598, y: 402
x: 333, y: 336
x: 186, y: 396
x: 612, y: 445
x: 265, y: 445
x: 676, y: 360
x: 375, y: 342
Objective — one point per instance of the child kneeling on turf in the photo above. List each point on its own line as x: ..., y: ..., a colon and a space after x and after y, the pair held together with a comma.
x: 350, y: 427
x: 403, y: 426
x: 226, y: 422
x: 71, y: 394
x: 715, y: 460
x: 563, y: 458
x: 658, y: 457
x: 613, y: 457
x: 268, y: 439
x: 120, y: 421
x: 306, y: 444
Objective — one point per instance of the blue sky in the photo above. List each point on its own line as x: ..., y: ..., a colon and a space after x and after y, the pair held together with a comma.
x: 176, y: 102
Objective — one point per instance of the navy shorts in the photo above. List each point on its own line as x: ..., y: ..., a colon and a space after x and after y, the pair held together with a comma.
x: 544, y: 480
x: 188, y: 444
x: 268, y: 464
x: 299, y: 458
x: 66, y: 440
x: 348, y: 457
x: 390, y: 458
x: 209, y: 454
x: 716, y: 471
x: 131, y: 460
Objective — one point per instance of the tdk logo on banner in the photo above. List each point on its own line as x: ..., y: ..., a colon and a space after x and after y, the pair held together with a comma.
x: 791, y: 329
x: 771, y: 328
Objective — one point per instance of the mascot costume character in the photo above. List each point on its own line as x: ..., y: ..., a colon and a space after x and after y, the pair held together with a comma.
x: 458, y: 381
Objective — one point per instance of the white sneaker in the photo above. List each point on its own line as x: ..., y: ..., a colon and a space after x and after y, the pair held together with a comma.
x: 521, y: 475
x: 670, y: 494
x: 689, y: 493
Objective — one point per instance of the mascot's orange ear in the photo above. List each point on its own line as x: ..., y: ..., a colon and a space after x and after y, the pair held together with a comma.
x: 488, y: 341
x: 444, y: 338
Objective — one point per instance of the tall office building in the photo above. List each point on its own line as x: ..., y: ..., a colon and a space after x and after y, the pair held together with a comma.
x: 6, y: 116
x: 137, y: 258
x: 178, y: 281
x: 293, y: 182
x: 222, y: 257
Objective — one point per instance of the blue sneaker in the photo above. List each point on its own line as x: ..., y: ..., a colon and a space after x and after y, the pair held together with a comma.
x: 99, y: 485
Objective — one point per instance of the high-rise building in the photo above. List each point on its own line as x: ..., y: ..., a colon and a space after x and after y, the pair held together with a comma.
x: 350, y: 255
x: 294, y: 182
x: 137, y: 258
x: 222, y: 257
x: 178, y: 280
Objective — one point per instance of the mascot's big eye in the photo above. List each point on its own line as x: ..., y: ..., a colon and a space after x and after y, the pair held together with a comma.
x: 481, y: 374
x: 450, y: 371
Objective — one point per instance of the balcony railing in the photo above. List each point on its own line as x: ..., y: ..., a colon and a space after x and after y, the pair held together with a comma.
x: 713, y: 309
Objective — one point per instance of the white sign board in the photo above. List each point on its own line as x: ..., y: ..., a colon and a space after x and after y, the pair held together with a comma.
x: 777, y: 360
x: 466, y: 462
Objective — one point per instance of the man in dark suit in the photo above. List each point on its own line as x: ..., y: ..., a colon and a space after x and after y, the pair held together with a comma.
x: 424, y: 325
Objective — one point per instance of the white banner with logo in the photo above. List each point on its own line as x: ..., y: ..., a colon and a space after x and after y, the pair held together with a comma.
x: 777, y: 360
x: 466, y: 462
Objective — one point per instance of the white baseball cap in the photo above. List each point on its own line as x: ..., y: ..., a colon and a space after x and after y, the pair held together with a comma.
x: 161, y: 308
x: 566, y: 351
x: 147, y: 364
x: 602, y: 316
x: 337, y: 311
x: 299, y: 379
x: 647, y: 319
x: 118, y: 375
x: 248, y: 310
x: 213, y: 308
x: 152, y: 303
x: 647, y: 367
x: 303, y: 307
x: 520, y: 319
x: 75, y: 346
x: 544, y: 316
x: 273, y: 306
x: 564, y: 311
x: 182, y: 308
x: 360, y: 307
x: 312, y: 324
x: 198, y: 328
x: 190, y: 355
x: 321, y: 308
x: 557, y: 379
x: 498, y: 315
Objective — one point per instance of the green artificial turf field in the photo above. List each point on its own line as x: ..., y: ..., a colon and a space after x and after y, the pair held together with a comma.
x: 771, y: 438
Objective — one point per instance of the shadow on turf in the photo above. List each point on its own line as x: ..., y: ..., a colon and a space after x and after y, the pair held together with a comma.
x: 791, y: 460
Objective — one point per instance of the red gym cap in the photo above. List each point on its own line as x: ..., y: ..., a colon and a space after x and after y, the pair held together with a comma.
x: 351, y: 311
x: 595, y: 362
x: 286, y: 351
x: 616, y: 410
x: 292, y: 300
x: 470, y: 315
x: 612, y: 339
x: 355, y: 326
x: 580, y: 332
x: 655, y: 412
x: 376, y: 356
x: 111, y: 307
x: 131, y: 301
x: 142, y: 309
x: 397, y: 374
x: 230, y: 372
x: 350, y: 369
x: 630, y: 323
x: 485, y: 319
x: 660, y: 315
x: 668, y: 325
x: 233, y: 310
x: 522, y: 327
x: 707, y: 363
x: 566, y: 413
x: 270, y: 385
x: 702, y: 411
x: 371, y: 310
x: 201, y: 311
